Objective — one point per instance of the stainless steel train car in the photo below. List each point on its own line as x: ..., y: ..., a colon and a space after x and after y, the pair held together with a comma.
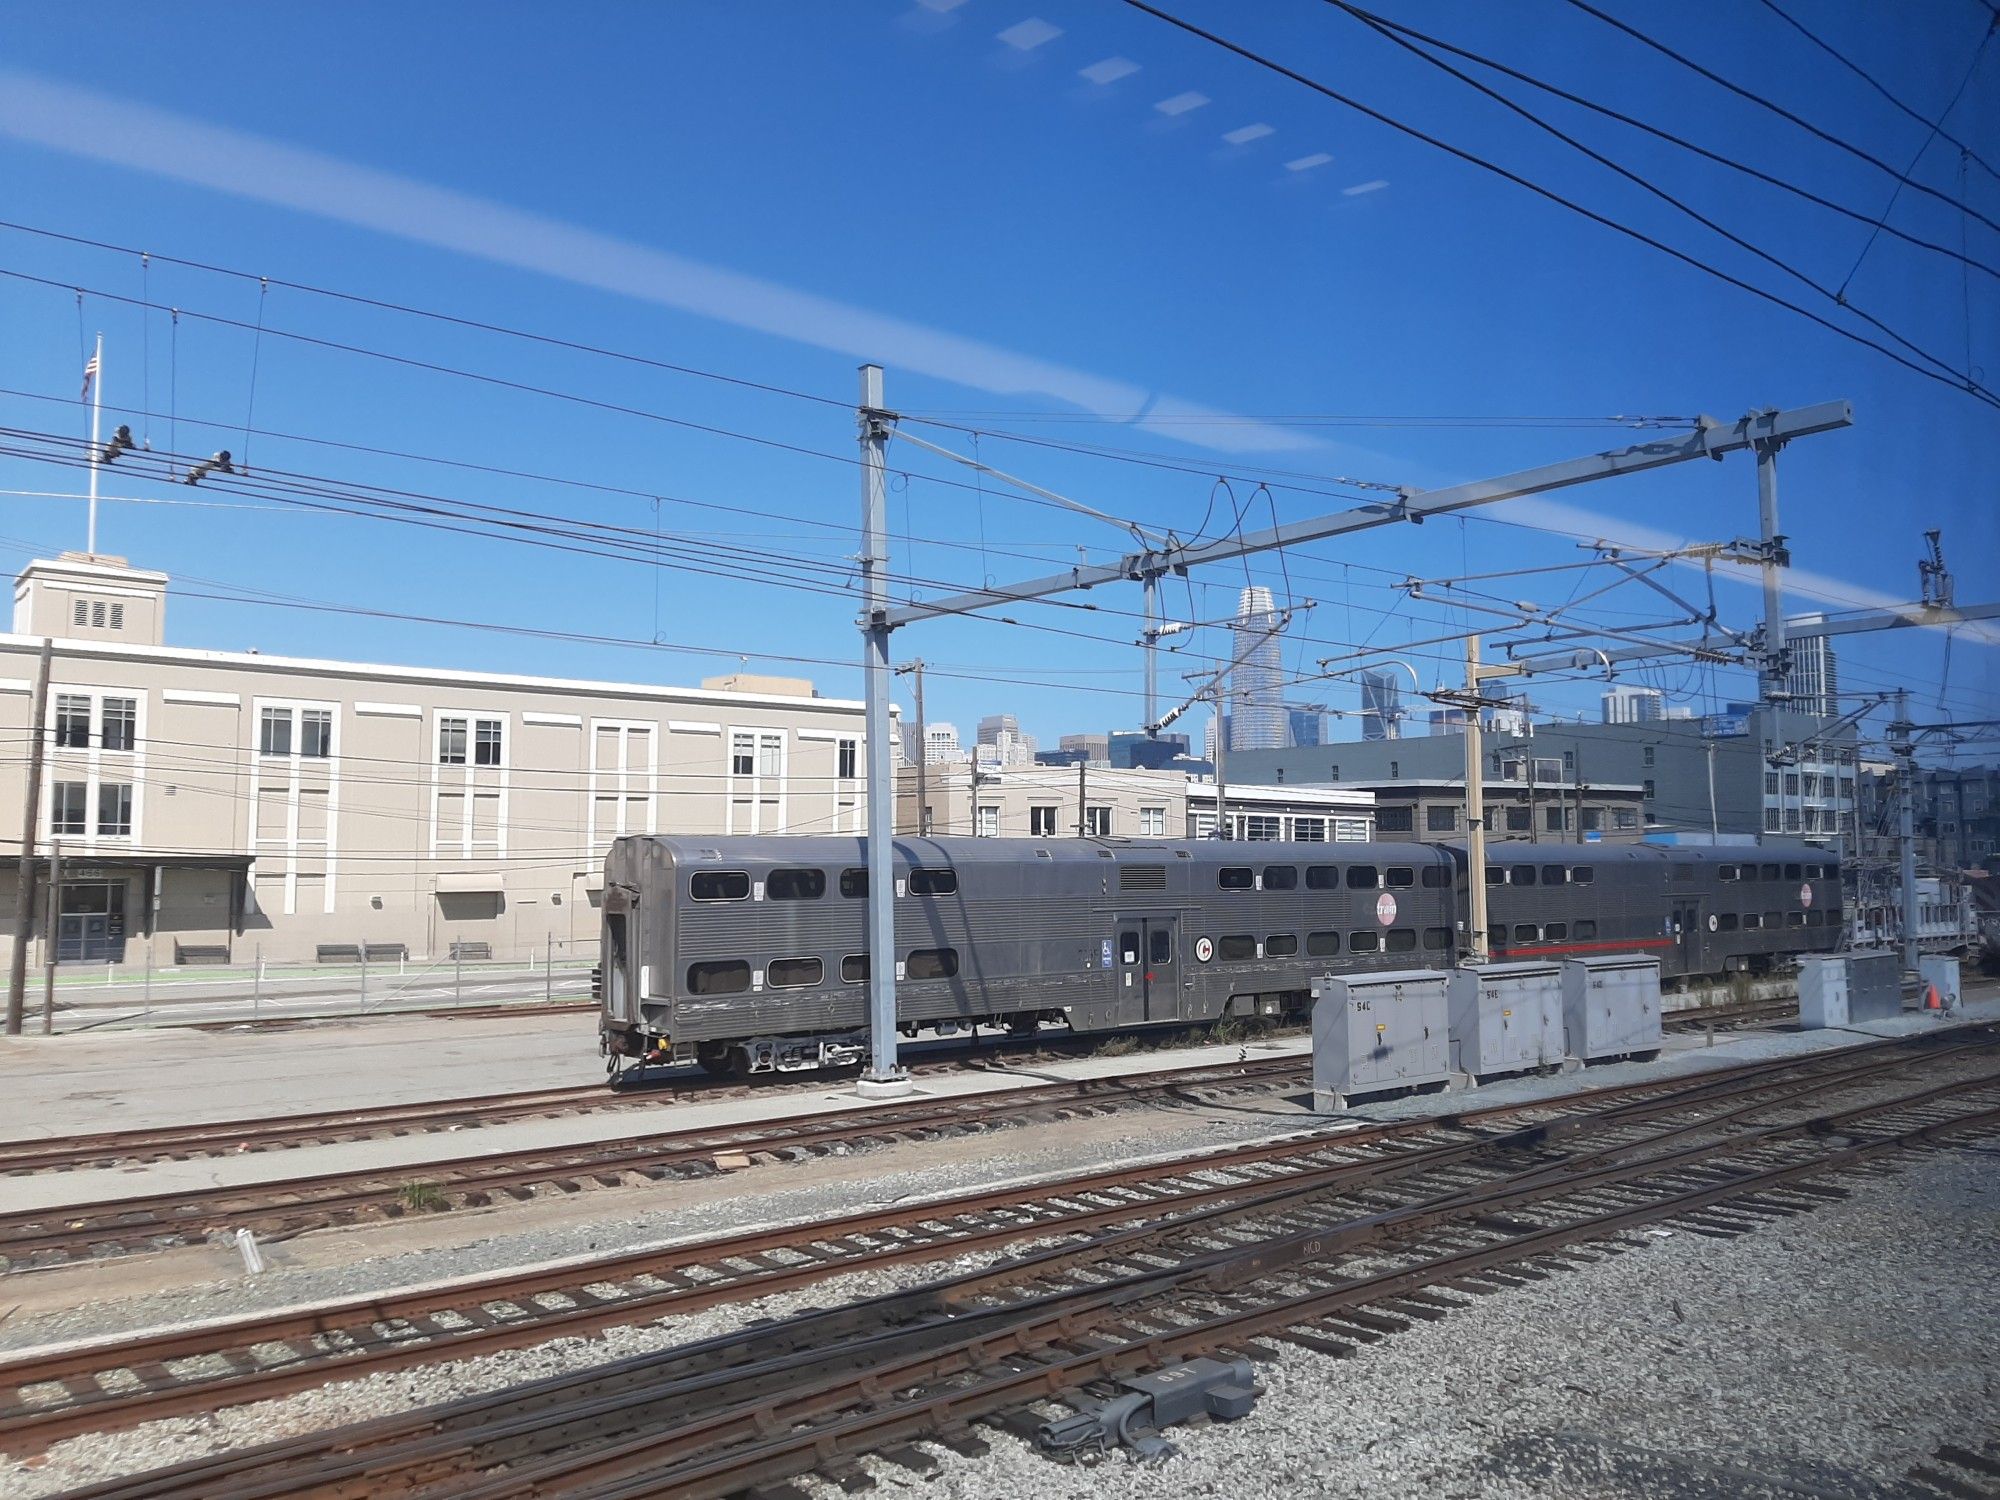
x: 749, y: 954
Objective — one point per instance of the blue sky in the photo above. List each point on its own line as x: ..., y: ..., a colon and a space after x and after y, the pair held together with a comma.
x: 773, y: 192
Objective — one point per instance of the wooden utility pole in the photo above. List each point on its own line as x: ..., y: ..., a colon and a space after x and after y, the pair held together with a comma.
x: 52, y: 905
x: 24, y: 880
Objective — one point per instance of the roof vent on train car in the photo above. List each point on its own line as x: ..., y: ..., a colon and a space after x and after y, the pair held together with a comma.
x: 1043, y: 854
x: 1142, y: 877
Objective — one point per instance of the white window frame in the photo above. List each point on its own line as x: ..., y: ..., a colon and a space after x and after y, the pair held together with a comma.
x: 986, y: 820
x: 1152, y: 822
x: 1097, y: 820
x: 758, y: 785
x: 624, y: 780
x: 468, y: 778
x: 93, y: 765
x: 279, y: 858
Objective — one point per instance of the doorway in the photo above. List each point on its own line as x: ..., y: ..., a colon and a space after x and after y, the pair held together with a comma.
x: 90, y: 922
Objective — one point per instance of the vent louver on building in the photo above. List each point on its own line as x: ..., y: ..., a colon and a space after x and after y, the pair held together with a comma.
x: 1142, y: 877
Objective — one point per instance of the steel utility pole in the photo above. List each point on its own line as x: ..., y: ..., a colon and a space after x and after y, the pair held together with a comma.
x: 1479, y: 948
x: 1903, y: 745
x: 31, y: 816
x: 1771, y: 666
x: 885, y: 1077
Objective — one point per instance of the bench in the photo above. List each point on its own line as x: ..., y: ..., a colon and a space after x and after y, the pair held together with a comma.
x: 471, y: 951
x: 200, y: 953
x: 354, y: 953
x: 338, y: 953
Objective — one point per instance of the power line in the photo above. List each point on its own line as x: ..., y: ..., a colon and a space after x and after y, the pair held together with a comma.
x: 1552, y: 196
x: 1683, y: 143
x: 1873, y: 82
x: 1838, y: 298
x: 1781, y: 112
x: 408, y: 310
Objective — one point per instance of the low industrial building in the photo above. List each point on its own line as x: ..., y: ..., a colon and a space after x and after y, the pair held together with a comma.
x: 1084, y: 801
x: 1547, y: 809
x: 215, y: 806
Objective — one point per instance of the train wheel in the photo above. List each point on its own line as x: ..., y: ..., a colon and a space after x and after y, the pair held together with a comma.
x: 1023, y: 1025
x: 720, y: 1060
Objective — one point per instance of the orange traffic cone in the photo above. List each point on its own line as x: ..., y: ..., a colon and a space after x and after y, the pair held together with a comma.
x: 1931, y: 1000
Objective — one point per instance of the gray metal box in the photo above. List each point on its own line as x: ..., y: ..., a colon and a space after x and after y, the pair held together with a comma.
x: 1938, y: 971
x: 1823, y: 991
x: 1505, y: 1018
x: 1611, y: 1005
x: 1874, y: 986
x: 1373, y: 1032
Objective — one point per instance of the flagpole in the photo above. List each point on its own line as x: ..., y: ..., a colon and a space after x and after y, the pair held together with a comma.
x: 96, y: 436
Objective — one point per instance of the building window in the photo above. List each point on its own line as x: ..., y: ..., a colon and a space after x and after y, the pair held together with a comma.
x: 844, y: 757
x: 1791, y: 783
x: 1593, y: 819
x: 1569, y: 763
x: 1395, y: 770
x: 486, y: 742
x: 73, y: 721
x: 1334, y: 770
x: 1042, y: 822
x: 1395, y: 820
x: 1441, y: 818
x: 1152, y: 822
x: 316, y: 733
x: 274, y: 732
x: 1770, y: 783
x: 1308, y: 830
x: 80, y: 612
x: 66, y: 808
x: 451, y: 741
x: 118, y: 727
x: 1648, y: 793
x: 1771, y: 820
x: 986, y: 824
x: 1647, y: 755
x: 1791, y: 820
x: 114, y: 809
x: 1555, y: 819
x: 1520, y: 819
x: 1624, y: 817
x: 1262, y: 828
x: 1097, y: 822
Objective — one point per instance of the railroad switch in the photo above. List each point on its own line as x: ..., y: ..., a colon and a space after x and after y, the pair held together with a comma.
x: 1222, y: 1390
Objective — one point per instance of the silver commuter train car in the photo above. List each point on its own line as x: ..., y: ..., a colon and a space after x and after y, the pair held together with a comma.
x: 748, y: 954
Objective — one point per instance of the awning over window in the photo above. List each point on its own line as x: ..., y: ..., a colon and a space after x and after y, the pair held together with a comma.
x: 470, y: 882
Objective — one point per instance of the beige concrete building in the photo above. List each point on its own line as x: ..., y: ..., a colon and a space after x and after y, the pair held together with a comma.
x: 215, y: 805
x: 1433, y: 810
x: 1064, y: 801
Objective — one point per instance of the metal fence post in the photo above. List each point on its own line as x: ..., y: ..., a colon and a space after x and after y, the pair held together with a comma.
x: 364, y: 976
x: 549, y: 971
x: 457, y: 973
x: 257, y: 984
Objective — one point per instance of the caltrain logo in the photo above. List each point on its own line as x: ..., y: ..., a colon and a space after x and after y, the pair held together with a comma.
x: 1204, y: 949
x: 1805, y: 895
x: 1385, y: 908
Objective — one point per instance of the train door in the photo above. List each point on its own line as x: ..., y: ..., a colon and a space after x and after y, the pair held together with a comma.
x: 1148, y: 950
x: 1689, y: 934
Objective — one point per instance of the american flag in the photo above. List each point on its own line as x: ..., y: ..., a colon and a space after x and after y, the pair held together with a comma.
x: 89, y: 374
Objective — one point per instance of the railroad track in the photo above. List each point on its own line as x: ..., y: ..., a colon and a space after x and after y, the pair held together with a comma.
x: 371, y: 1122
x: 1330, y: 1269
x: 33, y: 1238
x: 1745, y: 1013
x: 126, y: 1381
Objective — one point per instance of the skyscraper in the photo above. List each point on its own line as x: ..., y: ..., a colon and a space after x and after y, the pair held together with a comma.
x: 1381, y: 706
x: 1812, y: 679
x: 1256, y: 680
x: 1633, y: 705
x: 1305, y: 724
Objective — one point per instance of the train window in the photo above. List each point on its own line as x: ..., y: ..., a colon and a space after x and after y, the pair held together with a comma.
x: 1236, y: 878
x: 925, y: 882
x: 1752, y: 921
x: 1725, y: 872
x: 1402, y: 939
x: 1815, y: 918
x: 1281, y: 945
x: 931, y: 963
x: 793, y: 973
x: 1795, y: 919
x: 1582, y: 874
x: 1436, y: 877
x: 726, y: 977
x: 854, y: 968
x: 719, y: 885
x: 1399, y: 877
x: 1585, y: 930
x: 1554, y: 874
x: 1239, y: 947
x: 1363, y: 942
x: 795, y: 885
x: 1555, y: 932
x: 854, y: 881
x: 1767, y: 872
x: 1725, y: 921
x: 1523, y: 875
x: 1162, y: 947
x: 1526, y: 932
x: 1128, y: 947
x: 1322, y: 878
x: 1437, y: 939
x: 1322, y: 944
x: 1793, y: 872
x: 1496, y: 874
x: 1773, y: 919
x: 1281, y: 877
x: 1361, y: 877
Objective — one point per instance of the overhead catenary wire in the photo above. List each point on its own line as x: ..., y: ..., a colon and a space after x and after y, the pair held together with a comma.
x: 1604, y: 220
